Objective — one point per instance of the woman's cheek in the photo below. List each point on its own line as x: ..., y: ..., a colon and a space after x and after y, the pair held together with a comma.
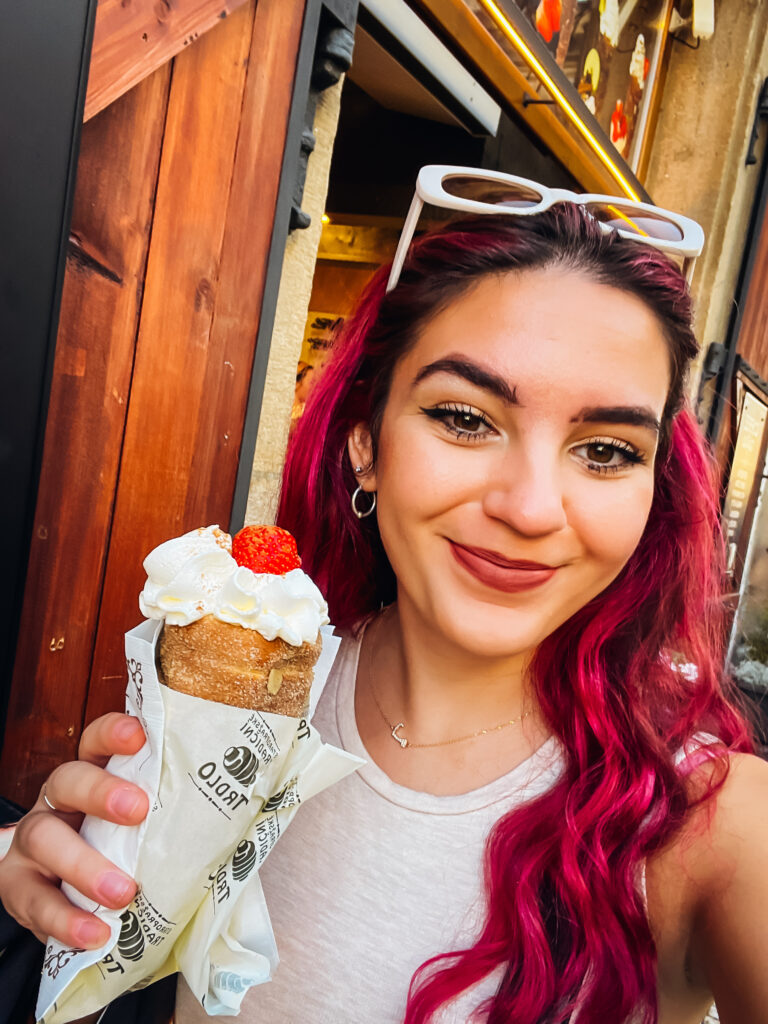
x: 421, y: 470
x: 612, y: 522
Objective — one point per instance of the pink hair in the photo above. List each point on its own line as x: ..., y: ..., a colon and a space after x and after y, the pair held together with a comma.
x: 624, y: 684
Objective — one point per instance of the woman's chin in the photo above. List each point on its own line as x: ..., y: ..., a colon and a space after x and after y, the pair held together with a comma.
x: 493, y: 637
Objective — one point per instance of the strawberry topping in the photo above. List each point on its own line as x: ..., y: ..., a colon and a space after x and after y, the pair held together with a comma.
x: 265, y: 549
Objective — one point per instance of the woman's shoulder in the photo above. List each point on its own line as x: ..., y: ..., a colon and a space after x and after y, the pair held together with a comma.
x: 728, y: 831
x: 708, y: 888
x: 728, y: 817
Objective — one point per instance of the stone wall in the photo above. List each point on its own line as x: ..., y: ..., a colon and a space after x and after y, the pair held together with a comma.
x: 290, y: 319
x: 701, y: 141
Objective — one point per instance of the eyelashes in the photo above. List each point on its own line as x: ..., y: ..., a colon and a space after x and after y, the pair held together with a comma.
x: 602, y: 455
x: 461, y: 420
x: 597, y: 449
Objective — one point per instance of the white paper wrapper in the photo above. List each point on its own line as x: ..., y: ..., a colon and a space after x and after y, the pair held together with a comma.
x: 223, y: 783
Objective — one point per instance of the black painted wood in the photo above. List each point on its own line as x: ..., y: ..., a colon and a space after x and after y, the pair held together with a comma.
x: 44, y: 54
x: 319, y: 16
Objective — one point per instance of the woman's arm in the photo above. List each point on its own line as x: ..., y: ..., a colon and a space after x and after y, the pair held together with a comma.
x: 729, y: 941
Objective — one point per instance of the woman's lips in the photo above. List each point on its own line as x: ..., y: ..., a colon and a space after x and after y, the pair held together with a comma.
x: 500, y: 573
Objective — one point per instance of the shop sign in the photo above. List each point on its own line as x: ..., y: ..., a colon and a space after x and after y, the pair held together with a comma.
x: 744, y: 469
x: 610, y: 51
x: 319, y: 333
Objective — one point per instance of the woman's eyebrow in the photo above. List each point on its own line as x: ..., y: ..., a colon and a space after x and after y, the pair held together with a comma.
x: 475, y: 373
x: 635, y: 415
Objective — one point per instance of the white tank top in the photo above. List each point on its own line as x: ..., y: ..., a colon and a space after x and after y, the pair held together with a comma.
x: 370, y: 880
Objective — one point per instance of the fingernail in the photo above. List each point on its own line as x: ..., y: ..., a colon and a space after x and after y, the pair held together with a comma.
x: 127, y: 729
x: 91, y: 933
x: 124, y: 802
x: 115, y: 888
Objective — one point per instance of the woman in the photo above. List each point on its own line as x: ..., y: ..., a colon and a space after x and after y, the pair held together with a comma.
x: 560, y: 798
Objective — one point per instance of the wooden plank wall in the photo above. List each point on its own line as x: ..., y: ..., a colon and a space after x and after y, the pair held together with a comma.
x: 753, y: 332
x: 111, y: 224
x: 174, y: 212
x: 132, y: 38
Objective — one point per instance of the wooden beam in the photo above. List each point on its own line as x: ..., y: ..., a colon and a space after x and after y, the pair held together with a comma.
x: 134, y: 37
x: 111, y: 223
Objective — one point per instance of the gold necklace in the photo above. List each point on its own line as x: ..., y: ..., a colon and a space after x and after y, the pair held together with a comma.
x: 440, y: 743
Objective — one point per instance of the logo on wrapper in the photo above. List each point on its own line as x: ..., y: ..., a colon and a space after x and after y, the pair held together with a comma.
x: 130, y: 942
x: 231, y: 982
x: 276, y: 801
x: 137, y: 678
x: 219, y: 887
x: 244, y: 860
x: 221, y: 793
x: 242, y: 764
x: 56, y: 962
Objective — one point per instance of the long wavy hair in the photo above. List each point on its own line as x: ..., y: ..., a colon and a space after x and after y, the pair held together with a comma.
x: 624, y: 684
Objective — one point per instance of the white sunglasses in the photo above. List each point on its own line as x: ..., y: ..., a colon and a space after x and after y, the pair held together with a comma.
x: 471, y: 190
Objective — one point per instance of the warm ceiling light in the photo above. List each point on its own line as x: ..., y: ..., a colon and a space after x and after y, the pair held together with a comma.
x: 325, y: 219
x: 522, y: 46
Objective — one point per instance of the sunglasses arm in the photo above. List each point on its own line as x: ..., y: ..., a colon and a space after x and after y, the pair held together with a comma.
x: 406, y: 236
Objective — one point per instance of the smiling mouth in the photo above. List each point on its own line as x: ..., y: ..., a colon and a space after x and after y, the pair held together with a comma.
x: 500, y: 573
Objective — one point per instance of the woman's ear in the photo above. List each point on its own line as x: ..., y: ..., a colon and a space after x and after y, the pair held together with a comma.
x: 360, y: 449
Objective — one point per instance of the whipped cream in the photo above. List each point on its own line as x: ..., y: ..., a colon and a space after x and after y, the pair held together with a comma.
x: 195, y: 575
x: 288, y: 606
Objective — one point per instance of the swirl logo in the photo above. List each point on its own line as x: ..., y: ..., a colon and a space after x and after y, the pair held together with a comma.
x: 137, y: 678
x: 276, y: 801
x: 243, y: 860
x: 242, y: 764
x: 130, y: 942
x: 56, y: 962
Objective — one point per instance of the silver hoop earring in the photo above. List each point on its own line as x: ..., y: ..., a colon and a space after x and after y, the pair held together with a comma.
x: 356, y: 510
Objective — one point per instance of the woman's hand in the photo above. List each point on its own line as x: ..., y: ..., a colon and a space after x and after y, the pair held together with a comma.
x: 46, y: 847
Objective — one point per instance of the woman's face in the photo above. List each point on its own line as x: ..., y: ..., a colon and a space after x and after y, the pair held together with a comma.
x: 514, y: 471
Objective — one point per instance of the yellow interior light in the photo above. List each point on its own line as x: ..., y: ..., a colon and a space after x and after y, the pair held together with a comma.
x: 562, y: 101
x: 325, y: 219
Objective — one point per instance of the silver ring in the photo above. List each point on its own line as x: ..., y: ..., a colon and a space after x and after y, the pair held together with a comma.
x: 45, y: 798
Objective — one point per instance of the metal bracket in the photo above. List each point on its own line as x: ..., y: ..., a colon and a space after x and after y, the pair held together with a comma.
x: 333, y: 56
x: 714, y: 361
x: 529, y: 101
x: 760, y: 113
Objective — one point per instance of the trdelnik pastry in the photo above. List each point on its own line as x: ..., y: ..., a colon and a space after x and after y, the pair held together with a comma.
x: 224, y: 676
x: 242, y: 620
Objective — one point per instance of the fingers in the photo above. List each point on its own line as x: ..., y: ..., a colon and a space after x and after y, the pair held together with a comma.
x: 39, y: 905
x: 111, y: 734
x: 47, y: 848
x: 80, y: 787
x: 54, y: 849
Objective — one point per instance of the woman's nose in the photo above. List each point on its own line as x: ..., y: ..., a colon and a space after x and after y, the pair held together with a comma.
x: 526, y: 493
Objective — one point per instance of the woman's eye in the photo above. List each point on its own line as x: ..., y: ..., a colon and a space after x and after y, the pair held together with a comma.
x: 461, y: 421
x: 601, y: 453
x: 468, y: 421
x: 608, y: 456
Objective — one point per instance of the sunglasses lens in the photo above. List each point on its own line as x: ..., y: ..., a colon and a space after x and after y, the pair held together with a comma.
x: 492, y: 193
x: 642, y: 223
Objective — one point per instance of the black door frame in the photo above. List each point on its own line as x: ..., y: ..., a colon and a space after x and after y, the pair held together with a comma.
x: 325, y: 52
x: 45, y: 48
